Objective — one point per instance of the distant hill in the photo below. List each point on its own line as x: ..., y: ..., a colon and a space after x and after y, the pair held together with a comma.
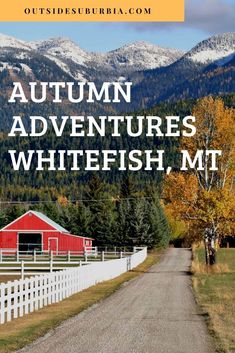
x: 209, y: 68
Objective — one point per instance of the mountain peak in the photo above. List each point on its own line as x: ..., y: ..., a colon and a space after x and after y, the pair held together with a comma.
x: 53, y: 42
x: 11, y: 42
x: 145, y: 45
x: 213, y: 48
x: 139, y: 44
x: 142, y: 55
x: 63, y: 48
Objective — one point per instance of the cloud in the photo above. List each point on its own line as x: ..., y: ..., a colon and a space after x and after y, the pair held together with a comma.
x: 210, y: 16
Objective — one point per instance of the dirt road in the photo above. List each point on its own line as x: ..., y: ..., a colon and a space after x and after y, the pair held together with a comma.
x: 155, y: 313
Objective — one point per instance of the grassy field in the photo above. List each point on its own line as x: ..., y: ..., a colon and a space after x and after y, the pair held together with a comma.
x: 20, y: 332
x: 215, y: 292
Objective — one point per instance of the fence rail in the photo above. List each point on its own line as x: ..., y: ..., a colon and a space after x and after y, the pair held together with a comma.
x: 20, y: 297
x: 25, y: 265
x: 34, y: 255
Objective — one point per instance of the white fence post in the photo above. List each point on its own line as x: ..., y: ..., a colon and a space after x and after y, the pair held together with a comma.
x: 1, y: 255
x: 69, y: 256
x: 22, y: 269
x: 34, y: 255
x: 15, y: 303
x: 85, y: 256
x: 17, y: 255
x: 102, y: 256
x: 8, y: 285
x: 2, y: 303
x: 51, y: 263
x: 128, y: 259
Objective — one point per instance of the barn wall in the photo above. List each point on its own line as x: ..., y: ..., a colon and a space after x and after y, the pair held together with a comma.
x: 65, y: 242
x: 8, y: 240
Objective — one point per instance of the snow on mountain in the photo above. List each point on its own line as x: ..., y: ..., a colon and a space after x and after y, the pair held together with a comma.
x: 134, y: 57
x: 137, y: 56
x: 141, y: 56
x: 10, y: 42
x: 225, y: 60
x: 27, y: 70
x: 213, y: 49
x: 4, y: 65
x: 116, y: 64
x: 62, y: 48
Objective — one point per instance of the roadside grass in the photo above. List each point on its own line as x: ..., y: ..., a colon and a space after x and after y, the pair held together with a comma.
x: 215, y: 293
x: 22, y: 331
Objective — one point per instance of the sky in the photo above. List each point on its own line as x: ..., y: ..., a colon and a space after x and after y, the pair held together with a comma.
x: 203, y: 19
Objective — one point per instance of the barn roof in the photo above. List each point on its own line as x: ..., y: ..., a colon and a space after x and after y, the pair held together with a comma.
x: 44, y: 218
x: 49, y: 221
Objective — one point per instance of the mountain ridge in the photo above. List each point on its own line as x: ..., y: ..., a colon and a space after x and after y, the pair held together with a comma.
x: 133, y: 57
x: 61, y: 48
x: 214, y: 48
x: 63, y: 60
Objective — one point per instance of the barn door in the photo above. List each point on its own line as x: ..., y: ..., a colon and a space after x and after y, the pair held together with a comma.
x: 28, y: 242
x: 53, y: 245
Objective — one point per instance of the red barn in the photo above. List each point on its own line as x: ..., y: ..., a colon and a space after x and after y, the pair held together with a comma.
x: 34, y: 230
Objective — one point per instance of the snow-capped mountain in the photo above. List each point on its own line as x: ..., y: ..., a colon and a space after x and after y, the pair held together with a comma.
x: 63, y: 48
x: 207, y: 69
x: 141, y: 56
x: 13, y: 48
x: 213, y: 49
x: 79, y: 63
x: 133, y: 57
x: 158, y: 74
x: 138, y: 56
x: 65, y: 53
x: 11, y: 42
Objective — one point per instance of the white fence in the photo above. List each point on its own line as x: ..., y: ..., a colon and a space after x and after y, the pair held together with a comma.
x: 35, y: 255
x: 38, y: 263
x: 20, y: 297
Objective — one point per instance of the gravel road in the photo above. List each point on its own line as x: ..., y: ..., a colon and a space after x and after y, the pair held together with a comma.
x: 155, y: 313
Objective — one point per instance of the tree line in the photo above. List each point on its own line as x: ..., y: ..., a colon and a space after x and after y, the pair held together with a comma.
x: 133, y: 217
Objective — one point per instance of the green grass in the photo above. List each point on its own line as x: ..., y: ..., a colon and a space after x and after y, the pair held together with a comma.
x: 22, y: 331
x: 215, y: 292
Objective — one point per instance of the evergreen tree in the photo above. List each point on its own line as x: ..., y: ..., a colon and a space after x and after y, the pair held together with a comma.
x: 128, y: 187
x: 80, y: 220
x: 123, y: 228
x: 100, y: 208
x: 12, y: 213
x: 159, y: 228
x: 139, y: 226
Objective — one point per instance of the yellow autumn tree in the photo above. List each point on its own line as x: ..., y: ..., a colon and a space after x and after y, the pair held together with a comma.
x: 205, y: 198
x: 62, y: 201
x: 215, y: 126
